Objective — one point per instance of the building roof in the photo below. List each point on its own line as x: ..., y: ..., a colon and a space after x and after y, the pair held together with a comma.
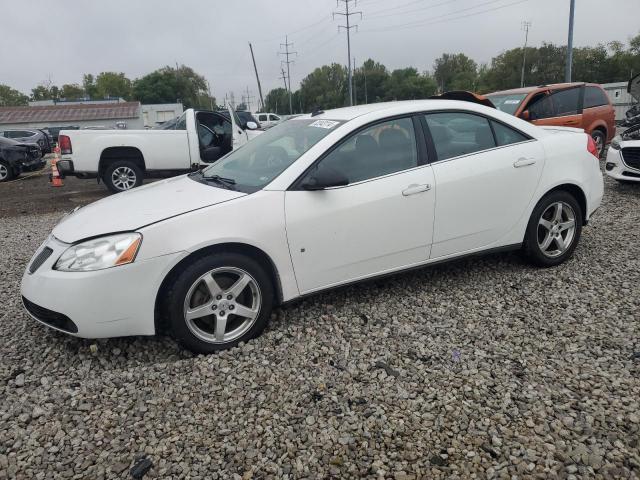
x: 69, y: 113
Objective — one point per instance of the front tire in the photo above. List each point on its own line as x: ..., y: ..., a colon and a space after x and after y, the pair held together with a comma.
x: 219, y: 301
x: 122, y: 175
x: 6, y: 172
x: 554, y: 229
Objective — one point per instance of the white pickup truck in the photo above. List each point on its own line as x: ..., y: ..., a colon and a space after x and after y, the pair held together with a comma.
x: 122, y: 158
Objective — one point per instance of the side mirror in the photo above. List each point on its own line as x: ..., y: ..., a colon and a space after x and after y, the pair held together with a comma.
x: 252, y: 125
x: 526, y: 115
x: 211, y: 154
x: 325, y: 177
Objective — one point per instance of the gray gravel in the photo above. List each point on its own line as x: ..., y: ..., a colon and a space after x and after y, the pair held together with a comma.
x: 484, y: 368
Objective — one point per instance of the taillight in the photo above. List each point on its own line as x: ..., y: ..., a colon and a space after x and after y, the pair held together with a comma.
x: 592, y: 148
x: 65, y: 144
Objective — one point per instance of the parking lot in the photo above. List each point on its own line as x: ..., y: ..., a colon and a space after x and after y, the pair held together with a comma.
x: 485, y: 367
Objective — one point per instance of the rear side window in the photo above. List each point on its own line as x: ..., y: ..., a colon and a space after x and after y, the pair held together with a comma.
x: 181, y: 124
x: 594, y: 97
x: 456, y: 133
x: 506, y: 135
x: 566, y: 102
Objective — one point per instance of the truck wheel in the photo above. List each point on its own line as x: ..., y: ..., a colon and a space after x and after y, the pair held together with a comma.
x: 122, y: 175
x: 6, y: 172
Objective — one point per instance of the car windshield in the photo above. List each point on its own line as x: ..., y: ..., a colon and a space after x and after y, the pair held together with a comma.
x: 507, y: 103
x: 257, y: 163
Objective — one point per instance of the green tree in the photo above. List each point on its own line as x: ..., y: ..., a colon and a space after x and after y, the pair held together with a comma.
x: 89, y: 85
x: 10, y: 97
x: 371, y: 81
x: 71, y: 91
x: 455, y: 71
x: 169, y: 85
x: 42, y: 92
x: 277, y: 101
x: 408, y: 84
x: 325, y: 87
x: 113, y: 84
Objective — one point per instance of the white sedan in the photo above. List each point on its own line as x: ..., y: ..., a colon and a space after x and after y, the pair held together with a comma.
x: 314, y: 203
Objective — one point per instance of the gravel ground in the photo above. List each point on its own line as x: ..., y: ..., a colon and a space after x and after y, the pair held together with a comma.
x: 477, y: 369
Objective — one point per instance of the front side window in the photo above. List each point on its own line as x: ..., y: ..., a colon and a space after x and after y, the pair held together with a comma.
x: 257, y: 163
x: 506, y: 135
x: 457, y: 133
x: 379, y: 150
x: 274, y: 118
x: 595, y: 97
x: 262, y: 118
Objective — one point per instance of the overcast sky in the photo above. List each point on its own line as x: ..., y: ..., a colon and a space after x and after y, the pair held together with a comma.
x: 62, y: 39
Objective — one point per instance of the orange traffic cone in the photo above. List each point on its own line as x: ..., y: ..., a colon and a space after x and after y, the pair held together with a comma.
x: 55, y: 178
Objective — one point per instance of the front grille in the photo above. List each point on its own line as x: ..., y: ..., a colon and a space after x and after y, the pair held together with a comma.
x: 51, y: 318
x: 40, y: 259
x: 631, y: 157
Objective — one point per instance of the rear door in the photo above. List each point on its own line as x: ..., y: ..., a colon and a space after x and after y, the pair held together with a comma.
x: 486, y: 173
x: 561, y: 108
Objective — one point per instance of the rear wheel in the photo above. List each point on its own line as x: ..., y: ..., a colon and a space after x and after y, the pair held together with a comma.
x: 218, y: 302
x: 554, y: 229
x: 600, y: 139
x: 6, y: 172
x: 122, y: 175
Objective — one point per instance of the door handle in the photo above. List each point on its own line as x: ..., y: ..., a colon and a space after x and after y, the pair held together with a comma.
x: 414, y: 188
x: 524, y: 162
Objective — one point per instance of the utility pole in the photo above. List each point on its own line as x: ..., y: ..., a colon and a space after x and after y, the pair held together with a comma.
x: 257, y: 77
x: 288, y: 53
x: 355, y: 92
x: 248, y: 97
x: 525, y: 27
x: 210, y: 97
x: 283, y: 77
x: 347, y: 15
x: 364, y: 71
x: 567, y: 74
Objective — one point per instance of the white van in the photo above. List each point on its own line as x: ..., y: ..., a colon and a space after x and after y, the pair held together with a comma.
x: 268, y: 120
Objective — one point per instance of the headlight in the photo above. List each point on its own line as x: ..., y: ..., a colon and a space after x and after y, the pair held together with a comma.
x: 615, y: 143
x: 100, y: 253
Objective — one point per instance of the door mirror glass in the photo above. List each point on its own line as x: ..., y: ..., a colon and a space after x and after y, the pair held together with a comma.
x: 252, y: 125
x: 325, y: 177
x: 525, y: 115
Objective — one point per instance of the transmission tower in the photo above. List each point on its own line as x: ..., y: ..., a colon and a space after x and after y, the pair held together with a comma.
x: 525, y: 27
x: 347, y: 14
x: 287, y: 53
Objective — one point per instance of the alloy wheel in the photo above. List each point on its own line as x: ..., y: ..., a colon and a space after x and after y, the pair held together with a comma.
x: 123, y: 178
x: 556, y: 229
x: 4, y: 172
x: 222, y: 305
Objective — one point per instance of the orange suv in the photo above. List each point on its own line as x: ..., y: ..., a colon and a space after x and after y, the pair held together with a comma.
x: 579, y: 105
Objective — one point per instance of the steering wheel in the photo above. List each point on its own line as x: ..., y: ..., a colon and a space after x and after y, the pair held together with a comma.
x: 208, y: 137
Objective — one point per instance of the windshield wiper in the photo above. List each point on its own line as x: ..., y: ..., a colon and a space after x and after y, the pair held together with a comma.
x: 225, y: 182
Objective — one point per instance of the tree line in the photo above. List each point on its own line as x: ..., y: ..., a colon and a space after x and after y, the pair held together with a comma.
x: 165, y: 85
x: 327, y: 86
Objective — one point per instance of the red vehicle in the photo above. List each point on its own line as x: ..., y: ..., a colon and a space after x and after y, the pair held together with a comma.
x: 579, y: 105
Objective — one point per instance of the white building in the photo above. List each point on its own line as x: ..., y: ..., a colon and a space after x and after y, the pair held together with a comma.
x: 620, y: 98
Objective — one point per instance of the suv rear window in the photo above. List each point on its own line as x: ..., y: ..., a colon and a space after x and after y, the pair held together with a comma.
x: 594, y: 97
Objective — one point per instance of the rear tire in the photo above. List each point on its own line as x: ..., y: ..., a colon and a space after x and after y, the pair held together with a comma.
x: 122, y: 175
x: 554, y: 229
x: 6, y: 172
x: 217, y: 302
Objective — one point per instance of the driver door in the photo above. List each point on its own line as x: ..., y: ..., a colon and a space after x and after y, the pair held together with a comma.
x: 239, y: 136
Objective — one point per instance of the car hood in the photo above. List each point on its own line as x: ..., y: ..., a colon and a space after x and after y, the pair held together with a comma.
x: 633, y: 87
x: 141, y: 206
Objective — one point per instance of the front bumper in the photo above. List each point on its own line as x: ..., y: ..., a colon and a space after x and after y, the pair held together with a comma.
x: 114, y: 302
x: 616, y: 168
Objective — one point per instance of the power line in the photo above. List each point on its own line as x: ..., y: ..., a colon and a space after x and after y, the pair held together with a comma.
x: 382, y: 13
x: 347, y: 15
x: 287, y: 53
x: 430, y: 21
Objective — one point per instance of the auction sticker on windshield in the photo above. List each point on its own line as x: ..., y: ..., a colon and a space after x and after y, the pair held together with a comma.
x: 324, y: 124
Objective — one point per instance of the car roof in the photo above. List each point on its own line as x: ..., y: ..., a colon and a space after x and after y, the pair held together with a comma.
x: 399, y: 108
x: 540, y: 88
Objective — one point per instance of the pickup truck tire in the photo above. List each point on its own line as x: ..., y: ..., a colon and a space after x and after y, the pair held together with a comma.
x: 6, y: 171
x: 122, y: 175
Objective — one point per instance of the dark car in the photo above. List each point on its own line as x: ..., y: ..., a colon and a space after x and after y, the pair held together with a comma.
x: 31, y: 135
x: 55, y: 131
x: 17, y: 157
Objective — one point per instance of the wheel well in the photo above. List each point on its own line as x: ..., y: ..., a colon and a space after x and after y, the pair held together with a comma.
x: 244, y: 249
x: 112, y: 154
x: 578, y: 194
